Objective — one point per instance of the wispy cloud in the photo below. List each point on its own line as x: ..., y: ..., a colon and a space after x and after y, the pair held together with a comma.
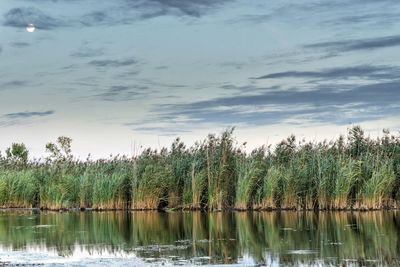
x: 119, y: 93
x: 251, y: 18
x: 86, y: 52
x: 380, y: 19
x: 97, y: 18
x: 161, y: 67
x: 22, y: 16
x: 362, y: 71
x: 155, y: 8
x: 113, y: 63
x: 28, y: 114
x: 19, y: 44
x: 128, y: 11
x: 334, y: 104
x: 13, y: 84
x: 357, y: 44
x: 23, y: 117
x: 330, y: 12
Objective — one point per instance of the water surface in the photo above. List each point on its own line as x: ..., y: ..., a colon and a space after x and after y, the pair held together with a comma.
x: 152, y: 238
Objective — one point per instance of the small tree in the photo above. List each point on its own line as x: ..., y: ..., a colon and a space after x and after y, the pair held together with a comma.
x: 17, y: 154
x: 61, y: 150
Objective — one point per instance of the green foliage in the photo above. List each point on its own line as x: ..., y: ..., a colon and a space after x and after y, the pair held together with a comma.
x: 18, y: 188
x: 61, y: 150
x: 215, y: 174
x: 17, y: 154
x: 222, y: 171
x: 152, y: 179
x: 252, y: 171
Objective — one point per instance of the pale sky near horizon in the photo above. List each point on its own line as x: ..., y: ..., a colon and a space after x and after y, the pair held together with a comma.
x: 117, y: 74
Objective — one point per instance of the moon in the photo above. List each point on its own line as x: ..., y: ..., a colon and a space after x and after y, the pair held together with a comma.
x: 30, y: 27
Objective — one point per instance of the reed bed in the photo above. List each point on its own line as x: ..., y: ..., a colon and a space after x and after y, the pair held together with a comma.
x: 356, y: 172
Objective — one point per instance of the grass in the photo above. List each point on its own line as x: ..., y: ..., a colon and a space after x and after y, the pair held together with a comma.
x: 215, y: 174
x: 18, y: 188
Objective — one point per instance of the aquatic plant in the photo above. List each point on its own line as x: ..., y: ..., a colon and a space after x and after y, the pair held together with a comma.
x: 356, y: 172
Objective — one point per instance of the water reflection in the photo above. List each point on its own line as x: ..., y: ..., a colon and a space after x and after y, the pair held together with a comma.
x: 287, y: 238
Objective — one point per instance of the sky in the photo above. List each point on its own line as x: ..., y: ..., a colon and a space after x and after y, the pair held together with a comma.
x: 119, y: 75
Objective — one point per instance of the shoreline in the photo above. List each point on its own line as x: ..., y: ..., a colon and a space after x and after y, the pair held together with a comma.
x: 3, y: 209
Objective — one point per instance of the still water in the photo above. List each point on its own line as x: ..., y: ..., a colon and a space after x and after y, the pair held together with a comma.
x: 241, y: 239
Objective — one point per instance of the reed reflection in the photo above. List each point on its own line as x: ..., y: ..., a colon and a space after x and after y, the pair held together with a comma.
x: 212, y: 238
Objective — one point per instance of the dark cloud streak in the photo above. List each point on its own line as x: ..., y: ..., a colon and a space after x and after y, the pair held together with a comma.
x: 87, y: 53
x: 97, y: 18
x: 20, y: 17
x: 19, y: 44
x: 118, y: 93
x: 156, y: 8
x: 322, y: 104
x: 357, y: 44
x: 362, y: 71
x: 113, y: 63
x: 28, y: 114
x: 371, y: 19
x: 128, y: 11
x: 13, y: 84
x: 23, y: 117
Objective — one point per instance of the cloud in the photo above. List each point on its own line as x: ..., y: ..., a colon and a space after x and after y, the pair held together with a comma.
x: 357, y: 44
x: 122, y: 12
x: 113, y: 63
x: 128, y: 11
x: 155, y: 8
x: 19, y: 44
x: 246, y: 89
x: 328, y: 104
x: 362, y: 71
x: 371, y: 18
x: 118, y: 93
x: 251, y: 18
x: 233, y: 65
x: 28, y: 114
x: 127, y: 74
x: 23, y: 117
x: 86, y: 52
x: 161, y: 67
x: 97, y: 18
x: 21, y: 16
x: 13, y: 84
x: 324, y: 13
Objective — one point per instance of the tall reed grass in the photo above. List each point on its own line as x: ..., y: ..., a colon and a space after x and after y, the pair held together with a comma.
x: 214, y: 174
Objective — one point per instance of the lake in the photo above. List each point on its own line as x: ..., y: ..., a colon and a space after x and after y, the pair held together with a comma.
x: 194, y: 238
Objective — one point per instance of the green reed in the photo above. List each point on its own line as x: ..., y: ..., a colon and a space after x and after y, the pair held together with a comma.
x: 356, y: 172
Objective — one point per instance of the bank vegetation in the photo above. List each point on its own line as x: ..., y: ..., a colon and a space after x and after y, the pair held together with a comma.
x: 352, y: 172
